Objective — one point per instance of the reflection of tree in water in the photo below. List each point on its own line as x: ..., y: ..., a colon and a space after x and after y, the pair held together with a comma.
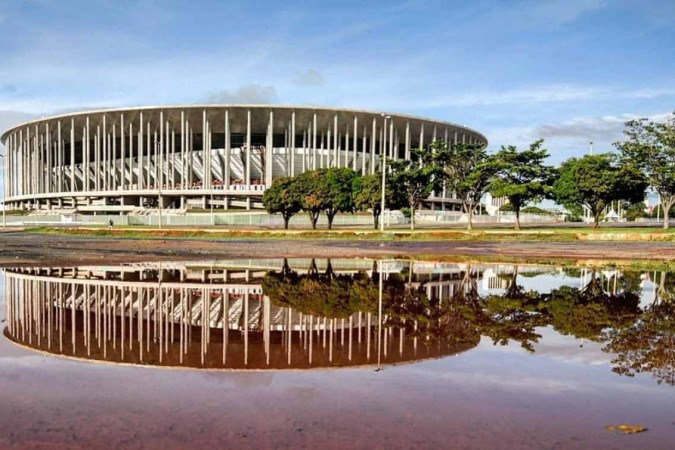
x: 588, y: 312
x: 648, y: 345
x: 604, y: 310
x: 431, y: 319
x: 513, y: 315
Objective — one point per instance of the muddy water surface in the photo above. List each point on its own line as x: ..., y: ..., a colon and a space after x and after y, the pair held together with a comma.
x: 335, y: 353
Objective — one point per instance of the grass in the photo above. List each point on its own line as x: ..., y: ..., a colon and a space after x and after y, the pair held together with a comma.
x: 494, y: 234
x: 632, y: 265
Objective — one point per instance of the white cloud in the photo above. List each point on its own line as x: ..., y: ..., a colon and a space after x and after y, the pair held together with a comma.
x: 563, y: 11
x: 248, y: 93
x: 607, y: 128
x: 534, y: 95
x: 569, y: 137
x: 309, y: 78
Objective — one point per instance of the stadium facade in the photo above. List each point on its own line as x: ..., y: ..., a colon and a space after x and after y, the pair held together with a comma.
x: 184, y: 157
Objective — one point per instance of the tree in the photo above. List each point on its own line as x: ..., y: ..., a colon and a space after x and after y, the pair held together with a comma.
x: 282, y: 197
x: 594, y: 181
x: 339, y: 187
x: 419, y: 176
x: 368, y: 195
x: 468, y: 174
x: 650, y: 146
x: 521, y: 177
x: 312, y: 191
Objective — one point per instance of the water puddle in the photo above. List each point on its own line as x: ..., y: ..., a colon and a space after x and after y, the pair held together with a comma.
x: 458, y: 342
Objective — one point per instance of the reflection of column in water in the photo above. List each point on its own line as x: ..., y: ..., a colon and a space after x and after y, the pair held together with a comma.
x: 330, y: 343
x: 351, y: 334
x: 368, y: 317
x: 268, y: 324
x: 289, y: 332
x: 246, y: 327
x: 311, y: 337
x: 226, y: 323
x: 401, y: 332
x: 379, y: 317
x: 359, y: 327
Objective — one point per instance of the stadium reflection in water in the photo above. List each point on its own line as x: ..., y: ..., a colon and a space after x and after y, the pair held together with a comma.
x: 226, y: 315
x: 300, y: 314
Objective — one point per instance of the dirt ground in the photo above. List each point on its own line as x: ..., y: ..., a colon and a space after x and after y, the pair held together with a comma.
x: 22, y: 249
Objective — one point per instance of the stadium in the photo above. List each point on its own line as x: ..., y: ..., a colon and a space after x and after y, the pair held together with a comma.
x: 178, y: 158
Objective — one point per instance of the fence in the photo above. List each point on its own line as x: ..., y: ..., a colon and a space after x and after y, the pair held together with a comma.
x: 264, y: 220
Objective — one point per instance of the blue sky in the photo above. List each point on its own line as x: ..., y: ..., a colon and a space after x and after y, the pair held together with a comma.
x: 566, y: 71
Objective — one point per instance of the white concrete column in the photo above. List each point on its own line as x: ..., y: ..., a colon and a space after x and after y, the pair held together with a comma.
x: 150, y: 149
x: 97, y: 159
x: 314, y: 136
x: 329, y: 150
x: 407, y: 141
x: 363, y: 149
x: 228, y: 151
x: 182, y: 152
x: 336, y: 143
x: 191, y: 158
x: 421, y: 136
x: 247, y: 180
x: 172, y: 162
x: 391, y: 138
x: 115, y: 183
x: 50, y: 160
x: 139, y: 161
x: 293, y: 149
x: 159, y: 147
x: 105, y: 169
x: 347, y: 142
x: 131, y: 153
x: 88, y: 149
x: 373, y: 134
x: 355, y: 143
x: 123, y: 155
x: 72, y: 155
x: 269, y: 154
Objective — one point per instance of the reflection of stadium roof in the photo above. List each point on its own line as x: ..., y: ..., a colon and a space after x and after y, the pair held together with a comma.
x: 191, y: 316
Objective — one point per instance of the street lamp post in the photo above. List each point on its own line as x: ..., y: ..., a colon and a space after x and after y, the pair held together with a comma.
x: 383, y: 165
x: 4, y: 183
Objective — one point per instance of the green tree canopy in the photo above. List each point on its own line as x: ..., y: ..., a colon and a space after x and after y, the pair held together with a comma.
x: 368, y: 195
x: 313, y: 193
x: 650, y: 146
x: 594, y: 181
x: 419, y: 176
x: 521, y: 176
x: 282, y: 197
x: 339, y: 189
x: 468, y: 174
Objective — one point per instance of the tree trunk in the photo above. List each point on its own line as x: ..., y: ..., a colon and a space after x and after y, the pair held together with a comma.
x: 596, y: 219
x: 517, y: 211
x: 330, y: 217
x: 412, y: 217
x: 666, y: 211
x: 376, y: 220
x: 314, y: 218
x: 469, y: 213
x: 286, y: 220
